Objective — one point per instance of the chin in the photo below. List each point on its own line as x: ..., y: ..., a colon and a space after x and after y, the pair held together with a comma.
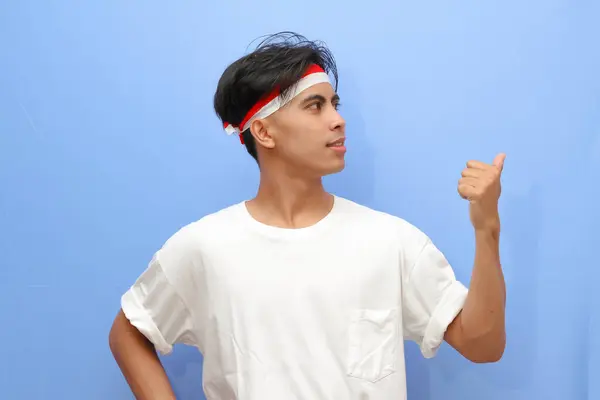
x: 334, y: 168
x: 318, y: 170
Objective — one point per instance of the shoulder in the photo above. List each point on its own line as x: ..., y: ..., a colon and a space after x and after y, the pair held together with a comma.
x: 385, y: 222
x: 189, y: 240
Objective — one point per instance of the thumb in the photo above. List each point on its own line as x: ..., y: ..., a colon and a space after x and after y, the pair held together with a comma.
x: 499, y: 161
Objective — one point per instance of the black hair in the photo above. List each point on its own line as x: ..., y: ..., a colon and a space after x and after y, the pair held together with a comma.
x: 278, y: 61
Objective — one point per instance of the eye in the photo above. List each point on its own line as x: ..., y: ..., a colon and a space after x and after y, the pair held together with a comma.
x: 337, y: 105
x: 315, y: 106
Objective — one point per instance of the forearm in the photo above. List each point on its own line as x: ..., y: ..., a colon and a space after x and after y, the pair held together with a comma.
x: 483, y: 314
x: 139, y: 362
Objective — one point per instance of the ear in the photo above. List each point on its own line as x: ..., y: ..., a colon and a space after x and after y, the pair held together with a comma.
x: 260, y: 129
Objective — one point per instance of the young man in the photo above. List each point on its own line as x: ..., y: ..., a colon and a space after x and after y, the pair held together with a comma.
x: 298, y: 293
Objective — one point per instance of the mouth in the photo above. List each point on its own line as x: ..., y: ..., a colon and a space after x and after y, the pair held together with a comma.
x: 338, y: 143
x: 338, y: 146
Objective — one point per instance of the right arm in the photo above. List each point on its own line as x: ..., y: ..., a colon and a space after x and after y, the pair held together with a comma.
x: 153, y: 317
x: 138, y: 361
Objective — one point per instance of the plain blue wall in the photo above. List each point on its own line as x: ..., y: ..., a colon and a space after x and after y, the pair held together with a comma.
x: 108, y: 144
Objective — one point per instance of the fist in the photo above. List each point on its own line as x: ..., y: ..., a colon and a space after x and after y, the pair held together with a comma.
x: 480, y: 185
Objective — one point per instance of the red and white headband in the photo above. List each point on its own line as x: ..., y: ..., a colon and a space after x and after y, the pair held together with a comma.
x: 274, y: 101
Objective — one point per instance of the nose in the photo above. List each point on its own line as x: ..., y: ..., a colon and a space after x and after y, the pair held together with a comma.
x: 337, y: 122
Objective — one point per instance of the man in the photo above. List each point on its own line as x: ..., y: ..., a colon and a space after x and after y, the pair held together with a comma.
x: 298, y: 293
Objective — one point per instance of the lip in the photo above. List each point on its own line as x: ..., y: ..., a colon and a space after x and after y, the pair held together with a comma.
x: 340, y: 148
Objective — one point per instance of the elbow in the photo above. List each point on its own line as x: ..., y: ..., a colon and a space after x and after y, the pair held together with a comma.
x: 480, y: 344
x: 486, y: 351
x: 488, y: 357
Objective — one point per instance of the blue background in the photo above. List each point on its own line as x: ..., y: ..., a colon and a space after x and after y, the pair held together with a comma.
x: 108, y: 144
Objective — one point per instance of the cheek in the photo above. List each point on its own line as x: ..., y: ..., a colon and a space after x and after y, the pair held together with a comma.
x: 309, y: 141
x: 303, y: 136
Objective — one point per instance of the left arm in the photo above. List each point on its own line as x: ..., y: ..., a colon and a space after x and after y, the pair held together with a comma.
x: 478, y: 332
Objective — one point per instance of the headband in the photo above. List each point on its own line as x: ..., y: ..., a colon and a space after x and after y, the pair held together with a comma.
x: 274, y: 101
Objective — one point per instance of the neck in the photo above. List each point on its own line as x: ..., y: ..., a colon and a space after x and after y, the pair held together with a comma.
x: 289, y: 201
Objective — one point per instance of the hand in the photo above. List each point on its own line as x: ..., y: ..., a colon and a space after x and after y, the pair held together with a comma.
x: 480, y: 184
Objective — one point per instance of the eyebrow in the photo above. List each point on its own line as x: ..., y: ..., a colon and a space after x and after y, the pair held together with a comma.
x: 320, y: 98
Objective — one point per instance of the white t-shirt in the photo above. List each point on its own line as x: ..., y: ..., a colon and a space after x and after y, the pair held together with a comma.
x: 317, y: 313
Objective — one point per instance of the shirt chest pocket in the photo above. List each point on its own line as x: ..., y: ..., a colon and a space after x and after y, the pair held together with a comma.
x: 373, y: 343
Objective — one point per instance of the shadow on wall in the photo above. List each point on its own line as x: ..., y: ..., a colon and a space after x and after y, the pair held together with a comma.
x: 184, y: 368
x: 521, y: 231
x: 356, y: 182
x: 593, y: 383
x: 522, y: 221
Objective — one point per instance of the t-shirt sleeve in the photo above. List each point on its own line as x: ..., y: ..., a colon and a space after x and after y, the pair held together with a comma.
x: 154, y: 307
x: 432, y: 297
x: 156, y: 303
